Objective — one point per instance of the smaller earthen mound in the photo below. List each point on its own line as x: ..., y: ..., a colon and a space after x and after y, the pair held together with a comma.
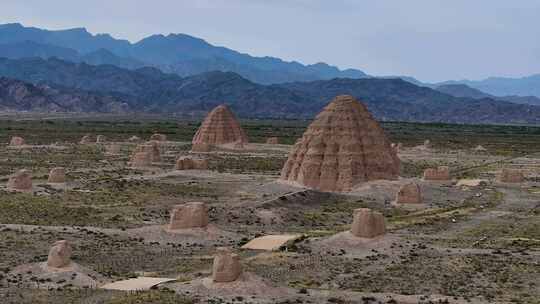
x: 152, y: 147
x: 87, y: 139
x: 442, y: 173
x: 479, y: 148
x: 112, y: 149
x: 226, y: 266
x: 134, y: 139
x: 272, y: 140
x: 397, y: 147
x: 141, y: 159
x: 511, y: 176
x: 409, y: 194
x: 158, y: 137
x: 368, y: 223
x: 59, y: 255
x: 57, y: 175
x: 201, y: 147
x: 20, y: 181
x: 189, y: 163
x: 189, y: 215
x: 427, y: 144
x: 16, y: 141
x: 100, y: 139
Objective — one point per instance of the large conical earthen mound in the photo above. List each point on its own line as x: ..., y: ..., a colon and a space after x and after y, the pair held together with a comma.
x: 219, y: 127
x: 341, y: 148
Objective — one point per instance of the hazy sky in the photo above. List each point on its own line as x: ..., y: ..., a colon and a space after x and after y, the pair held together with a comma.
x: 432, y: 40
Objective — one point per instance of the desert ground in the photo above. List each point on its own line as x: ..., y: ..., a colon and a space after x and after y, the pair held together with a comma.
x: 474, y: 240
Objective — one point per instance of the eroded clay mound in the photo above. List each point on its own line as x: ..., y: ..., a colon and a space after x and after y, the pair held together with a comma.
x: 57, y: 175
x: 158, y: 137
x: 101, y: 139
x: 441, y: 173
x: 368, y: 223
x: 189, y: 215
x: 190, y: 163
x: 409, y: 194
x: 226, y: 267
x: 343, y: 147
x: 141, y: 159
x: 272, y: 140
x: 16, y: 141
x: 511, y: 176
x: 87, y: 139
x: 220, y: 127
x: 20, y: 181
x: 151, y: 147
x: 59, y: 255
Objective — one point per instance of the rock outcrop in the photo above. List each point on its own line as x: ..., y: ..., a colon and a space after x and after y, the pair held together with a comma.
x: 189, y: 215
x: 16, y: 141
x: 141, y: 160
x: 511, y: 176
x: 367, y: 223
x: 20, y: 181
x: 272, y: 140
x: 59, y: 255
x: 152, y: 147
x: 57, y: 175
x: 220, y: 127
x: 226, y: 266
x: 409, y: 194
x: 343, y: 147
x: 442, y: 173
x: 158, y: 137
x: 190, y: 163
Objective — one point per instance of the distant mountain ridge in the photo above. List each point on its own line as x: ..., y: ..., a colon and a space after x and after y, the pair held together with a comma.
x: 462, y: 90
x: 176, y: 53
x: 150, y: 90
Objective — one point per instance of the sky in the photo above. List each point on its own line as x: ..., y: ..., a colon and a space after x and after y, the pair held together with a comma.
x: 431, y: 40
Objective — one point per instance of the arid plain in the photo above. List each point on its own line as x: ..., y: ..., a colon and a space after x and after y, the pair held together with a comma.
x: 473, y: 238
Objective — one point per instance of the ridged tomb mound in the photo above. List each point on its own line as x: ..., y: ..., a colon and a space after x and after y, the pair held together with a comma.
x: 219, y: 127
x: 20, y: 181
x: 226, y: 267
x: 57, y: 175
x: 190, y: 163
x: 343, y: 147
x: 367, y: 223
x: 16, y: 141
x: 59, y: 255
x: 511, y: 176
x: 441, y: 173
x: 189, y: 215
x: 409, y: 194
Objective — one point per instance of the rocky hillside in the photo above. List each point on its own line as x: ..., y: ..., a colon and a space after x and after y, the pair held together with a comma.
x: 150, y: 90
x: 16, y: 95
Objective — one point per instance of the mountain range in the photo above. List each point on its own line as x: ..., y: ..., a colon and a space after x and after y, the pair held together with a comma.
x: 147, y: 89
x: 463, y: 90
x: 175, y: 53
